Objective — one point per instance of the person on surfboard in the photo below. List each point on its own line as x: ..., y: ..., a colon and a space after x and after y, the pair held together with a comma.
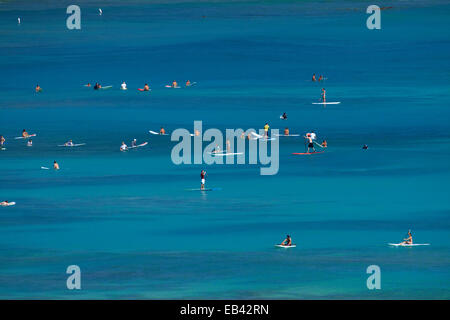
x: 365, y: 147
x: 4, y: 203
x: 314, y: 77
x: 24, y: 133
x: 162, y: 131
x: 323, y: 95
x: 38, y: 88
x: 146, y: 87
x: 266, y: 130
x: 69, y: 143
x: 409, y: 239
x: 321, y: 78
x: 324, y: 144
x: 309, y: 137
x: 97, y: 86
x: 217, y: 149
x: 188, y: 83
x: 2, y: 140
x: 30, y: 143
x: 228, y: 146
x: 174, y: 84
x: 133, y: 143
x: 202, y: 179
x: 55, y: 165
x: 287, y: 242
x: 123, y: 86
x: 284, y: 116
x: 123, y: 147
x: 286, y: 131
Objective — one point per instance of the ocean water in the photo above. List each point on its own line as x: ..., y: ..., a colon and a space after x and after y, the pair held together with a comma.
x: 127, y: 220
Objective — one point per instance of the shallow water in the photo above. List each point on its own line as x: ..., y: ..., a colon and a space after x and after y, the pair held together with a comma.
x: 127, y: 219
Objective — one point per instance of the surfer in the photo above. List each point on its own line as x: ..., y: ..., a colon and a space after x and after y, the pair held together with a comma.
x: 69, y: 143
x: 174, y: 84
x: 314, y: 77
x: 146, y: 87
x: 123, y: 86
x: 228, y: 146
x: 365, y: 147
x: 24, y: 133
x: 320, y: 78
x: 30, y: 143
x: 133, y: 143
x: 323, y: 95
x: 123, y: 147
x: 309, y: 137
x: 162, y: 131
x: 202, y: 177
x: 217, y: 149
x: 284, y: 116
x: 188, y: 83
x: 196, y: 133
x: 287, y: 241
x: 286, y: 131
x: 409, y: 239
x: 38, y: 88
x: 88, y: 85
x: 4, y: 203
x: 55, y: 165
x: 100, y: 12
x: 266, y: 130
x: 2, y: 140
x: 97, y: 86
x: 324, y: 144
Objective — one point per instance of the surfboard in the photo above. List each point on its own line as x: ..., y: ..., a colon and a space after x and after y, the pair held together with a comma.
x: 408, y: 245
x: 29, y: 136
x: 336, y: 102
x: 282, y: 118
x: 106, y: 87
x: 139, y: 145
x: 74, y: 145
x: 286, y: 247
x: 157, y: 133
x: 143, y: 90
x: 287, y: 135
x: 206, y: 189
x: 222, y: 154
x: 45, y: 168
x: 177, y: 87
x: 265, y: 139
x: 8, y: 204
x: 297, y: 153
x: 192, y: 84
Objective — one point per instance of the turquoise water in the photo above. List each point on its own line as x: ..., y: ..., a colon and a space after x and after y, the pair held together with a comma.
x: 126, y: 218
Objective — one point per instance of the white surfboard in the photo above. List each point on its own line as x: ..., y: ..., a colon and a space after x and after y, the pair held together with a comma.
x: 286, y: 247
x: 73, y: 145
x: 287, y: 135
x: 335, y: 102
x: 139, y: 145
x: 168, y: 86
x: 45, y: 168
x: 408, y: 245
x: 29, y: 136
x: 224, y: 154
x: 8, y: 204
x: 157, y: 133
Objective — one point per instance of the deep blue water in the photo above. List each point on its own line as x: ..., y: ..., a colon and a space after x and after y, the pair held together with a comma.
x: 126, y: 218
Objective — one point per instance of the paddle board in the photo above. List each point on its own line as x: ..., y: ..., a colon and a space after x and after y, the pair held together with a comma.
x: 157, y: 133
x: 206, y: 189
x: 308, y: 152
x: 221, y: 154
x: 142, y: 90
x: 29, y: 136
x: 287, y: 135
x: 106, y: 87
x: 336, y: 102
x: 192, y: 84
x: 9, y: 204
x: 74, y: 145
x: 139, y: 145
x: 286, y: 247
x: 408, y: 245
x: 177, y: 87
x: 45, y: 168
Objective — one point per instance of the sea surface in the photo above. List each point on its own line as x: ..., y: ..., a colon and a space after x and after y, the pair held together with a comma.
x: 128, y: 220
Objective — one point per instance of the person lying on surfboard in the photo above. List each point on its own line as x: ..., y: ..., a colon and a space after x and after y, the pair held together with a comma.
x: 409, y: 239
x: 55, y: 165
x: 162, y: 131
x: 287, y: 241
x: 323, y: 95
x: 202, y: 178
x: 97, y: 86
x: 30, y: 143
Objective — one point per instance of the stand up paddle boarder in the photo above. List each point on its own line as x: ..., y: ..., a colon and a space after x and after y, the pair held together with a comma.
x: 309, y: 137
x: 323, y: 95
x: 266, y: 130
x: 202, y: 177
